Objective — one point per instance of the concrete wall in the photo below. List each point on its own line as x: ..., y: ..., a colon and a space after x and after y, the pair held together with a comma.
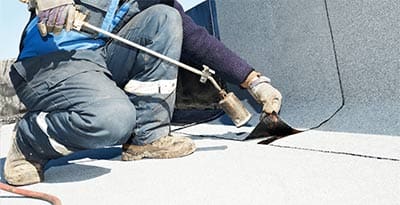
x: 10, y: 106
x: 320, y: 54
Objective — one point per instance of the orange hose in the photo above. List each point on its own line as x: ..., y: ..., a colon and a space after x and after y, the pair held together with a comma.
x: 32, y: 194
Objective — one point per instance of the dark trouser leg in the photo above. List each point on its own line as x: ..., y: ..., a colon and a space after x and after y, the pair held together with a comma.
x: 72, y: 103
x: 150, y: 82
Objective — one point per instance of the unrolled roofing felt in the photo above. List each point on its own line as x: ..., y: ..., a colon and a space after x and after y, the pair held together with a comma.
x: 367, y: 45
x: 290, y: 42
x: 321, y: 54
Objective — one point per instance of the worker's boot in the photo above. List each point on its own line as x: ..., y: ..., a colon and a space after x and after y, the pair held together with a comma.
x: 22, y: 169
x: 163, y: 148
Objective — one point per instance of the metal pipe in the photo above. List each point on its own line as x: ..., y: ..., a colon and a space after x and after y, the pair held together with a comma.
x: 154, y: 53
x: 229, y: 102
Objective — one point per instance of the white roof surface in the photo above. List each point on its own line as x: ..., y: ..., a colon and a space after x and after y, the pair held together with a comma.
x: 313, y: 167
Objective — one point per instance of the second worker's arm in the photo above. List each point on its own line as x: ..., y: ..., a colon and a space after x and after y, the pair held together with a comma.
x: 205, y: 49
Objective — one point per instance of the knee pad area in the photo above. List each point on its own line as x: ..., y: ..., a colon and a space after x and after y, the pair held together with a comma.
x: 166, y: 16
x: 105, y: 124
x: 164, y: 10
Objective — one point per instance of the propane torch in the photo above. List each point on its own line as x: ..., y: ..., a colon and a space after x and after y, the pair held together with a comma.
x: 229, y: 102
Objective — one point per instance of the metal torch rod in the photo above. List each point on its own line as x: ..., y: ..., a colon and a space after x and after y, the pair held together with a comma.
x: 154, y: 53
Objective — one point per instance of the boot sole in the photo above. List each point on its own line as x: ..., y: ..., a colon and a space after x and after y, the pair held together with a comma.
x: 159, y: 154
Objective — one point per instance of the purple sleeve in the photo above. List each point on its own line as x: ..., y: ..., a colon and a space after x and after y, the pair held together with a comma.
x: 205, y: 49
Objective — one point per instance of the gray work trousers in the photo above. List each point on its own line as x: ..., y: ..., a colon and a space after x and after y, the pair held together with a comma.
x: 87, y: 99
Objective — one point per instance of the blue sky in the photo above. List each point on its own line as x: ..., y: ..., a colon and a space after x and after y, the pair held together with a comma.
x: 13, y: 17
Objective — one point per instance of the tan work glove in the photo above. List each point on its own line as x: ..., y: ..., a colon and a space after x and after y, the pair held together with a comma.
x: 263, y: 92
x: 54, y: 15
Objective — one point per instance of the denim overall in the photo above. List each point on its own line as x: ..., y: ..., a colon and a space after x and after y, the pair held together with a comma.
x: 106, y: 93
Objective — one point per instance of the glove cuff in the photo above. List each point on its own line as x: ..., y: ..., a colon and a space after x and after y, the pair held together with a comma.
x: 42, y: 5
x: 257, y: 81
x: 253, y: 88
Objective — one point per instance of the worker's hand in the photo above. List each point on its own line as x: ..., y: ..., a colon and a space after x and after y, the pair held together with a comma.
x: 54, y: 20
x: 262, y: 91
